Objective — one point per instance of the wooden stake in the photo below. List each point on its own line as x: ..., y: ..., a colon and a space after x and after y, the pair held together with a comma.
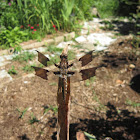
x: 63, y: 101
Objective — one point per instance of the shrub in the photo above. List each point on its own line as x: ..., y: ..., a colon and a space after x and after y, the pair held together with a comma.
x: 12, y: 37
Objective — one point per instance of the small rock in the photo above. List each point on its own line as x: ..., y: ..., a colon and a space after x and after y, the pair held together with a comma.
x: 114, y: 94
x: 9, y: 57
x: 26, y: 82
x: 4, y: 75
x: 64, y: 44
x: 84, y: 31
x: 81, y: 39
x: 132, y: 66
x: 1, y: 59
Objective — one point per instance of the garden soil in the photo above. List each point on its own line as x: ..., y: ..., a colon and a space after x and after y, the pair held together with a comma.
x: 105, y: 106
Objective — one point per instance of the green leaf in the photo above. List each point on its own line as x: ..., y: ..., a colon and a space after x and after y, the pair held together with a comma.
x: 91, y: 137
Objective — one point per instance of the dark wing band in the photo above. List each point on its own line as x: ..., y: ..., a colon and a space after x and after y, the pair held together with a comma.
x: 86, y: 58
x: 42, y: 59
x: 41, y: 72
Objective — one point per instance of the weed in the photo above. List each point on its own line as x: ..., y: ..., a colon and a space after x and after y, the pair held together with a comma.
x: 33, y: 119
x: 88, y: 82
x: 95, y: 97
x: 77, y: 46
x: 101, y: 106
x: 54, y: 49
x: 53, y: 60
x: 118, y: 34
x: 108, y: 25
x: 53, y: 108
x: 12, y: 71
x: 28, y: 68
x: 106, y: 8
x: 135, y: 42
x: 71, y: 55
x: 22, y: 113
x: 25, y: 56
x: 131, y: 103
x: 11, y: 38
x: 90, y: 137
x: 53, y: 84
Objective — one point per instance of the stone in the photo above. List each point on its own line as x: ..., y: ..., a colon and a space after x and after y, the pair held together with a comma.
x: 9, y: 57
x: 132, y: 66
x: 5, y: 77
x: 100, y: 39
x: 81, y: 39
x: 64, y: 44
x: 1, y: 59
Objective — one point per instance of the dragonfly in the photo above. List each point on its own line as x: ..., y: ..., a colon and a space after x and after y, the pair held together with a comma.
x: 64, y: 73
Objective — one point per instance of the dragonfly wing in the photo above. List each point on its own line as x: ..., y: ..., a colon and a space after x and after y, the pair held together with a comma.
x: 42, y: 58
x: 41, y: 72
x: 87, y: 73
x: 86, y: 58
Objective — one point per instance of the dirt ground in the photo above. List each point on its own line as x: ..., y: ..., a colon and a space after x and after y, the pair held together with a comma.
x: 106, y: 106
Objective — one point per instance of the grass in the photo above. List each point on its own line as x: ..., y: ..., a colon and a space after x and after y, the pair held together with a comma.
x: 53, y: 60
x: 24, y: 57
x: 12, y: 71
x: 131, y: 103
x: 108, y: 25
x: 106, y: 8
x: 22, y: 113
x: 77, y: 46
x: 101, y: 106
x: 53, y: 49
x: 33, y: 119
x: 53, y: 84
x: 56, y: 58
x: 53, y: 108
x: 90, y: 81
x: 28, y: 68
x: 71, y: 55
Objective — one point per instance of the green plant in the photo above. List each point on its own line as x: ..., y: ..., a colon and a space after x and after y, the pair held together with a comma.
x: 106, y: 8
x: 53, y: 108
x: 33, y: 119
x: 51, y: 15
x: 89, y: 136
x: 28, y: 68
x: 53, y: 49
x: 25, y: 56
x: 77, y: 46
x: 12, y: 71
x: 53, y: 84
x: 135, y: 41
x: 71, y: 55
x: 22, y: 113
x: 88, y: 82
x: 11, y: 38
x: 53, y: 60
x: 131, y: 103
x: 108, y: 25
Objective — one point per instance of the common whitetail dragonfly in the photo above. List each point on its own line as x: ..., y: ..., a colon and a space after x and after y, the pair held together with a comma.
x: 64, y: 73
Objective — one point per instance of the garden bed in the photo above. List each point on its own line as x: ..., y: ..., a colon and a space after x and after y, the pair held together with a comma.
x: 107, y: 105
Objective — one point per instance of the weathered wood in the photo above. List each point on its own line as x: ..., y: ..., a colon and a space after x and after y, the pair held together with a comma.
x: 63, y: 110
